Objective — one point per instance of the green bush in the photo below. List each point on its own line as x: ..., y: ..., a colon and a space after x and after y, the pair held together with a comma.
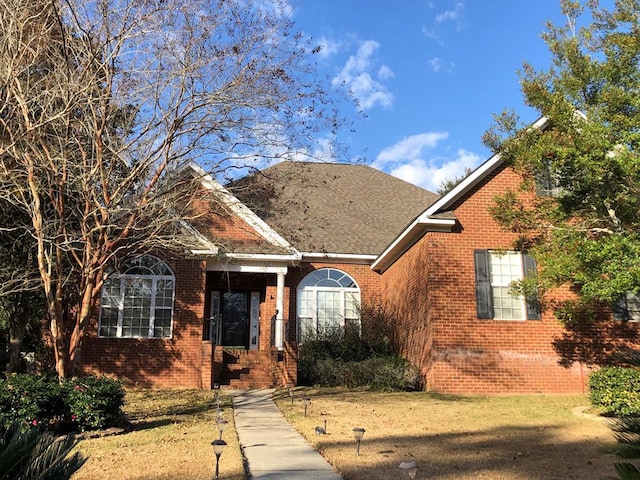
x: 32, y: 401
x: 93, y: 403
x: 378, y: 373
x: 46, y: 403
x: 616, y: 390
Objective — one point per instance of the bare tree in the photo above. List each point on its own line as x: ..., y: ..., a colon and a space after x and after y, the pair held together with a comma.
x: 103, y: 103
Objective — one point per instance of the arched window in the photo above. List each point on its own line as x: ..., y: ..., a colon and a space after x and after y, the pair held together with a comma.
x: 137, y: 301
x: 328, y: 300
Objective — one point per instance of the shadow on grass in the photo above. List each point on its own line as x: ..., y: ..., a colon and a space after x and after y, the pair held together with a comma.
x: 527, y: 453
x: 343, y: 393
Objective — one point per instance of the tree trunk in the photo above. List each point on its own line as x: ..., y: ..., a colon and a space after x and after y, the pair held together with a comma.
x: 16, y: 336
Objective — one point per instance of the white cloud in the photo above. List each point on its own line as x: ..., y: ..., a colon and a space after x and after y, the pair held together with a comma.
x: 430, y: 175
x: 385, y: 73
x: 410, y: 160
x: 437, y: 64
x: 328, y: 48
x: 408, y: 149
x: 356, y: 76
x: 453, y: 15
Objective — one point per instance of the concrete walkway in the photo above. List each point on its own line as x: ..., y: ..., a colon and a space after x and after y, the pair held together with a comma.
x: 274, y: 449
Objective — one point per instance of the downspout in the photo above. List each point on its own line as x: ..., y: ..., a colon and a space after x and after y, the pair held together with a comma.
x: 279, y: 327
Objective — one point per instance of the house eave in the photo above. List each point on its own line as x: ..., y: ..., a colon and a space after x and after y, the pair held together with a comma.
x: 408, y: 237
x: 262, y: 257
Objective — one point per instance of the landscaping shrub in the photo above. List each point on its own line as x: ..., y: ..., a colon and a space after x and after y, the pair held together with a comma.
x: 616, y: 390
x: 94, y: 403
x: 31, y: 401
x: 357, y: 356
x: 378, y: 373
x: 39, y: 402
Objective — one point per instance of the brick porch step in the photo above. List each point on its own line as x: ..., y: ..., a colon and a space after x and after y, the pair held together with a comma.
x: 247, y: 369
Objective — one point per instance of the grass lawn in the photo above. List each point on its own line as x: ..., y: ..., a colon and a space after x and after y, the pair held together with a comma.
x: 169, y: 439
x: 520, y: 437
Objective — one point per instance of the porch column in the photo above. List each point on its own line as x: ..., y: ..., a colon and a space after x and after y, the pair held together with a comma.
x: 279, y: 333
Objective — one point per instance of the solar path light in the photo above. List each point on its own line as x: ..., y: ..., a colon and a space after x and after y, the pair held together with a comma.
x: 290, y: 390
x: 221, y: 424
x: 409, y: 469
x: 218, y: 447
x: 306, y: 401
x: 358, y: 433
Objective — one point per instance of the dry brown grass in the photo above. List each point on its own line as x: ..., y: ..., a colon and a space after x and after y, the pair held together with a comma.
x: 501, y: 438
x: 170, y: 439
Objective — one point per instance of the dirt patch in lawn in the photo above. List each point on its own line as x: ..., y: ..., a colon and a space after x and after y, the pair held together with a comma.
x: 450, y: 437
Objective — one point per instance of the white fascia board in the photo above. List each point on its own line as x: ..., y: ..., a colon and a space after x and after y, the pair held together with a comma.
x: 204, y: 253
x: 339, y: 257
x: 408, y: 237
x: 209, y: 247
x: 262, y: 257
x: 217, y: 266
x: 244, y: 212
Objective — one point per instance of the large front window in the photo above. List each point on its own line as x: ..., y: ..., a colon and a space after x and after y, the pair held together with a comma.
x: 328, y: 300
x: 137, y: 301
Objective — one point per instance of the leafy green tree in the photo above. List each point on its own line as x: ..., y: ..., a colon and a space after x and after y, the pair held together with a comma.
x: 581, y: 158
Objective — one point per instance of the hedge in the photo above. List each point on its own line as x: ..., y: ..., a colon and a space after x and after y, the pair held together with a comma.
x: 616, y: 390
x: 75, y: 404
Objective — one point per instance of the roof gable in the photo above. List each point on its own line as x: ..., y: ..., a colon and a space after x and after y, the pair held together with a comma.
x: 235, y: 225
x: 437, y: 216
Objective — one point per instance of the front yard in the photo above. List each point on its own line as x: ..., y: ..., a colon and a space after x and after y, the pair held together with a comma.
x: 169, y: 438
x: 497, y: 438
x: 523, y: 437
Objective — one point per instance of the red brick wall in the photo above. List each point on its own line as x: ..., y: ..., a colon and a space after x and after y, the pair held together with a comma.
x: 430, y: 293
x: 168, y: 363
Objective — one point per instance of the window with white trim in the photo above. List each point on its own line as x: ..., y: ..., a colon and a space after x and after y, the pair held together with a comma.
x: 137, y: 301
x: 328, y: 300
x: 495, y: 273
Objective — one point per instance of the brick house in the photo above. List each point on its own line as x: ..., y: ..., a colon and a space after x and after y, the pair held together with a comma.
x: 291, y: 258
x: 298, y: 247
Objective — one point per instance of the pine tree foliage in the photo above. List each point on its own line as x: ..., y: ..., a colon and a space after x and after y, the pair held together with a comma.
x: 577, y: 208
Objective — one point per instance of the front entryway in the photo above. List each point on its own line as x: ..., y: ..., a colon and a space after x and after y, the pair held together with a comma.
x: 235, y: 319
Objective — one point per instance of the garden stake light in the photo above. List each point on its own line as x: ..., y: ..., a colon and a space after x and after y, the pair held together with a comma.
x: 409, y: 469
x: 218, y: 447
x: 290, y: 392
x: 306, y: 401
x: 221, y: 423
x: 358, y: 433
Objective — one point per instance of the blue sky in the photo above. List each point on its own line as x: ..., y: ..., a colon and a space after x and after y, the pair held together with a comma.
x: 429, y: 74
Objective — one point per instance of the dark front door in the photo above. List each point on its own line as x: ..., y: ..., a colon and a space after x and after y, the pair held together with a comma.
x: 235, y: 319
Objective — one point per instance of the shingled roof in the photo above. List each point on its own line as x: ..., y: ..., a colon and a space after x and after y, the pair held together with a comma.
x: 333, y: 208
